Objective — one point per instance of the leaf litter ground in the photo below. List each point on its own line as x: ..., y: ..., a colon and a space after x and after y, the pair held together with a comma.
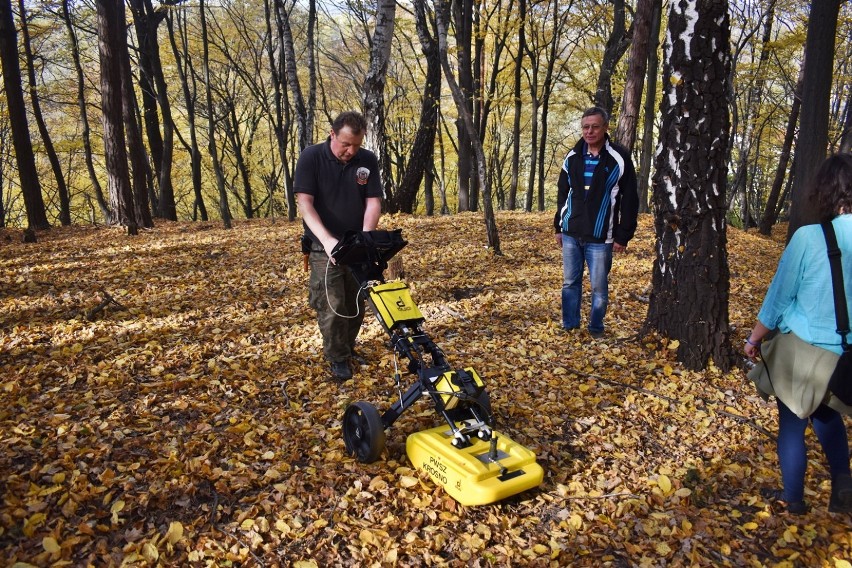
x: 163, y: 401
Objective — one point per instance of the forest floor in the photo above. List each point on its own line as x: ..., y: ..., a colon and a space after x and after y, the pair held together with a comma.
x: 163, y: 401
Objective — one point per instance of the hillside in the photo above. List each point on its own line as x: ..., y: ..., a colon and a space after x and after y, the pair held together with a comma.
x: 163, y: 400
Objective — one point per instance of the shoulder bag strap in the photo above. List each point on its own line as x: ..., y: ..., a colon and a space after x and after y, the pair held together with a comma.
x: 841, y: 313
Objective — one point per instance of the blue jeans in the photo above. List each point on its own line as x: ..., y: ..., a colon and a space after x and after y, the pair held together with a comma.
x: 598, y: 256
x: 793, y: 455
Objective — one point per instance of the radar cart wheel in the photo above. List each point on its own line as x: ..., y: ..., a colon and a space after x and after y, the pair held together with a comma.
x: 363, y: 431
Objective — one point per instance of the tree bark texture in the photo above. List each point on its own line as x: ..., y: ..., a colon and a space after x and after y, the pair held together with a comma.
x: 86, y: 131
x: 442, y: 10
x: 616, y: 46
x: 185, y: 73
x: 224, y: 208
x: 689, y: 298
x: 110, y: 34
x: 422, y: 151
x: 812, y: 142
x: 631, y: 102
x: 140, y: 173
x: 13, y: 86
x: 770, y: 211
x: 53, y: 158
x: 650, y: 110
x: 304, y: 116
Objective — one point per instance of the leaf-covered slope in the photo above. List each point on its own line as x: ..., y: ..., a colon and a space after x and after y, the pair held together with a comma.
x: 163, y: 399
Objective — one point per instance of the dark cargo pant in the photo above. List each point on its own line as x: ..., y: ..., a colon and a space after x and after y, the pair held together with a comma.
x: 339, y: 330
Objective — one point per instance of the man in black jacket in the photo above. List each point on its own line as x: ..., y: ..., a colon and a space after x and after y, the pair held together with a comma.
x: 597, y: 209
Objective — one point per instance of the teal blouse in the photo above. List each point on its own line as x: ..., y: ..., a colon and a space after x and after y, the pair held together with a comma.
x: 800, y: 297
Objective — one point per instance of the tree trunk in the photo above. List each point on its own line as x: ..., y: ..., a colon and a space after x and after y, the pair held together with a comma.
x: 12, y: 83
x: 183, y: 62
x: 150, y: 113
x: 374, y: 94
x: 224, y: 209
x: 422, y: 151
x: 771, y: 210
x: 516, y: 123
x: 754, y: 99
x: 650, y: 108
x: 616, y: 46
x: 628, y: 116
x: 442, y: 17
x: 304, y: 114
x: 61, y: 187
x: 812, y: 142
x: 558, y: 23
x: 689, y: 298
x: 136, y: 147
x: 463, y: 24
x: 155, y: 97
x: 845, y: 145
x: 110, y: 37
x: 279, y: 92
x: 84, y: 115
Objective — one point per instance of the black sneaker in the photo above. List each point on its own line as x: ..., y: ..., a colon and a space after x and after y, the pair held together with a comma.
x: 841, y: 494
x: 794, y: 508
x: 358, y: 358
x: 341, y: 370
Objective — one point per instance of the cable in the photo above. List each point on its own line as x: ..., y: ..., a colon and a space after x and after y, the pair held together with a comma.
x: 328, y: 301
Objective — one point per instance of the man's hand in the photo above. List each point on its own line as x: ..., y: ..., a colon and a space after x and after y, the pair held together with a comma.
x: 559, y: 240
x: 328, y: 245
x: 618, y: 248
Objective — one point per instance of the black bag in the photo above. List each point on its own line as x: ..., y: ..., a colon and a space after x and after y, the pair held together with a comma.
x: 840, y: 383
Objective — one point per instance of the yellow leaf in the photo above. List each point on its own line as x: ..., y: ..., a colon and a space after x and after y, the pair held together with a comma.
x: 305, y: 564
x: 540, y: 549
x: 50, y: 545
x: 839, y: 563
x: 32, y: 523
x: 575, y: 521
x: 150, y: 552
x: 750, y: 526
x: 407, y: 481
x: 175, y: 532
x: 247, y: 524
x: 663, y: 549
x: 367, y: 537
x: 665, y: 484
x: 673, y: 345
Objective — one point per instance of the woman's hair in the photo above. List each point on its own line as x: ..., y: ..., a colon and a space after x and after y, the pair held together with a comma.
x: 831, y: 189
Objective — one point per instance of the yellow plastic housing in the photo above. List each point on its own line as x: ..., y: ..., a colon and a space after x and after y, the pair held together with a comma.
x: 393, y: 303
x: 468, y: 474
x: 446, y: 385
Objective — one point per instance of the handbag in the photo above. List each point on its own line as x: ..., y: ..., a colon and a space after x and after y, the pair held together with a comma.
x: 840, y: 383
x: 794, y: 371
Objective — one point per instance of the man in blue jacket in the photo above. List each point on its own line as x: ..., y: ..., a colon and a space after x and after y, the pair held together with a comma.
x: 597, y: 209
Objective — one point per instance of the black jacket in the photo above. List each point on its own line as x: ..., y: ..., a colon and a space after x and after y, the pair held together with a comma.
x: 608, y: 211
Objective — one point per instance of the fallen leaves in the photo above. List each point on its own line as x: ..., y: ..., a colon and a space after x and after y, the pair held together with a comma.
x: 192, y: 421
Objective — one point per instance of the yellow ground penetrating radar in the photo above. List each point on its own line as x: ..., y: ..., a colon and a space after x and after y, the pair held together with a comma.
x: 474, y: 463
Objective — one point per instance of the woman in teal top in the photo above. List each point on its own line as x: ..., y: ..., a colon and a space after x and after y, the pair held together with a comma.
x: 800, y: 301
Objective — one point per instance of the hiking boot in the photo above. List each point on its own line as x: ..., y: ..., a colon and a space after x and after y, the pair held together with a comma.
x: 341, y: 370
x: 794, y: 507
x: 841, y: 494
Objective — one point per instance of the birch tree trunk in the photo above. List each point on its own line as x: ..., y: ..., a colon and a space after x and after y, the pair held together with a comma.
x: 689, y: 298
